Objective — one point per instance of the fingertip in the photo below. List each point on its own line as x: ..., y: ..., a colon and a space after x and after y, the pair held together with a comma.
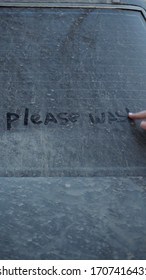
x: 130, y: 114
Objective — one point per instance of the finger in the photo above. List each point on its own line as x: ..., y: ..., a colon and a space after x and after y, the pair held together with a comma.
x: 143, y: 125
x: 139, y: 115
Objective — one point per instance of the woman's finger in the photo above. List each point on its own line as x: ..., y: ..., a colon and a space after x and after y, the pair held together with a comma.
x: 143, y: 125
x: 139, y: 115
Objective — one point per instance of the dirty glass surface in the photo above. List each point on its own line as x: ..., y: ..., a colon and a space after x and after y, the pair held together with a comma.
x: 68, y: 79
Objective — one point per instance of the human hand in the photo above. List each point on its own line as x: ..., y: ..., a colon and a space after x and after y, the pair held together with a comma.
x: 139, y: 115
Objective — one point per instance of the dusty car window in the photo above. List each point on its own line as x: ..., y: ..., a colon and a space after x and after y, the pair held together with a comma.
x: 68, y: 79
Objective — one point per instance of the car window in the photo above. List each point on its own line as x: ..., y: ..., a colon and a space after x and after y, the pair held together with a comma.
x: 69, y: 77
